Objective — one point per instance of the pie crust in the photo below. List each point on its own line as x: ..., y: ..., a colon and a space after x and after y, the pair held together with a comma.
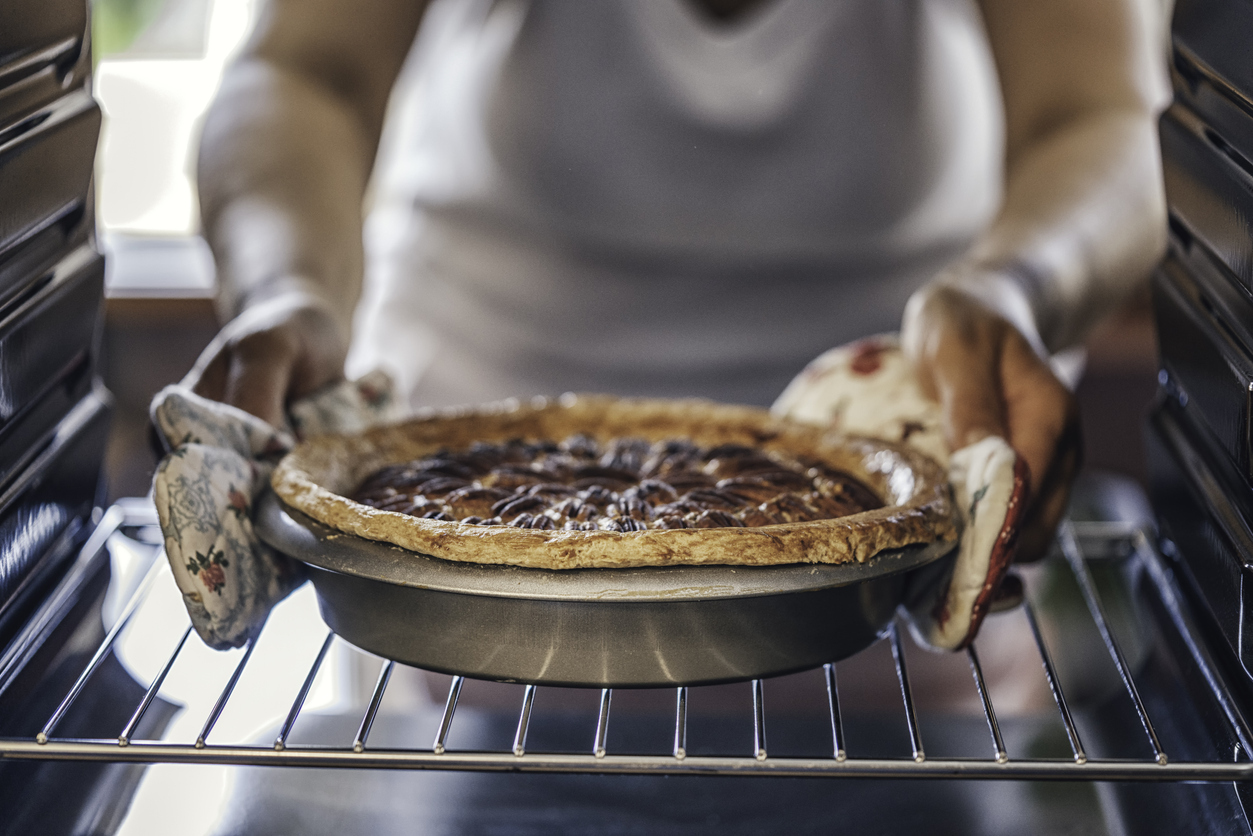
x: 315, y: 477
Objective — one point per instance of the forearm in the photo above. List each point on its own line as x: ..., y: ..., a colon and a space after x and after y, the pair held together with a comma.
x: 1083, y: 221
x: 283, y: 171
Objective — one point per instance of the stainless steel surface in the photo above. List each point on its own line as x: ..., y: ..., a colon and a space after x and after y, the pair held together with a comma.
x: 371, y: 712
x: 1093, y: 539
x: 1209, y: 192
x: 45, y: 174
x: 1074, y: 557
x: 153, y: 690
x: 280, y: 742
x: 1055, y: 686
x: 1211, y: 38
x: 1203, y: 508
x: 29, y: 27
x: 223, y: 698
x: 52, y: 332
x: 450, y: 706
x: 592, y: 627
x: 1202, y: 356
x: 989, y: 713
x: 907, y: 695
x: 833, y: 705
x: 524, y: 721
x: 680, y: 723
x: 45, y: 506
x: 101, y: 652
x: 759, y: 721
x: 602, y: 723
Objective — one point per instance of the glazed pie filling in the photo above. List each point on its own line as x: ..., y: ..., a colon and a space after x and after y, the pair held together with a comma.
x: 627, y: 484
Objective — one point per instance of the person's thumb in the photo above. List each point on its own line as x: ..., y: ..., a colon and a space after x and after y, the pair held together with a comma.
x: 258, y: 383
x: 967, y: 385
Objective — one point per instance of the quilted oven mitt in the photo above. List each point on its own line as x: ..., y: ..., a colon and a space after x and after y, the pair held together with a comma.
x: 219, y: 459
x: 868, y: 388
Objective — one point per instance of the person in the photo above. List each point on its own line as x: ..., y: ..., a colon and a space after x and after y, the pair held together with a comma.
x: 685, y: 198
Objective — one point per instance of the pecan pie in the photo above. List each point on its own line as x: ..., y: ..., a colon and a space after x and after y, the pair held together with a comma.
x: 625, y: 484
x: 595, y: 481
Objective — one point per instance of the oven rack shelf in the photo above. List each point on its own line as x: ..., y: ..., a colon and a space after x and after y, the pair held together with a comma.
x: 1077, y: 541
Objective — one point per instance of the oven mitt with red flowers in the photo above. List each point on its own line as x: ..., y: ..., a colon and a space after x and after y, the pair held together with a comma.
x: 218, y: 463
x: 868, y: 388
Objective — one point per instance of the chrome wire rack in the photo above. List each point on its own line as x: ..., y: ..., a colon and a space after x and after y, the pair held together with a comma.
x: 1077, y: 542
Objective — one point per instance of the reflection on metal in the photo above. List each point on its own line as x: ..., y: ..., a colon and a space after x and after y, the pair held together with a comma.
x: 759, y: 722
x: 989, y: 713
x: 153, y: 689
x: 372, y: 710
x: 450, y: 707
x: 281, y: 741
x: 680, y: 725
x: 907, y: 695
x: 602, y: 723
x: 524, y: 721
x: 997, y: 767
x: 1070, y: 548
x: 833, y: 703
x: 1050, y: 673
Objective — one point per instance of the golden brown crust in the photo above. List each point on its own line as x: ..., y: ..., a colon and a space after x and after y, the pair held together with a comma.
x: 314, y: 477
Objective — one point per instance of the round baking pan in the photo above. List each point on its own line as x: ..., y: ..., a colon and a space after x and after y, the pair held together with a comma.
x: 619, y: 628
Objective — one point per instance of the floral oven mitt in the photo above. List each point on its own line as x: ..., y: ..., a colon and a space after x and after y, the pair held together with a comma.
x: 218, y: 463
x: 868, y: 388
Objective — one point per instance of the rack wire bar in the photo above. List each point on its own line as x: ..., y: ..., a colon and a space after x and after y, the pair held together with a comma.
x: 602, y: 724
x: 759, y: 721
x: 123, y: 619
x: 1055, y: 685
x: 280, y: 742
x: 372, y: 710
x: 833, y: 703
x: 450, y: 708
x: 1073, y: 555
x: 142, y: 751
x: 1182, y: 622
x: 902, y: 674
x: 989, y: 713
x: 227, y: 690
x: 127, y: 732
x: 680, y: 723
x: 524, y: 722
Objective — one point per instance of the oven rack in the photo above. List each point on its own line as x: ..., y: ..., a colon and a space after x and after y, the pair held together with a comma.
x: 1077, y: 541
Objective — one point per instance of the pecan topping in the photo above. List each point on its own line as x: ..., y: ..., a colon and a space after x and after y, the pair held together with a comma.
x: 713, y: 518
x: 622, y: 485
x: 515, y: 505
x: 749, y: 488
x: 442, y: 485
x: 715, y: 498
x: 754, y: 517
x: 790, y: 508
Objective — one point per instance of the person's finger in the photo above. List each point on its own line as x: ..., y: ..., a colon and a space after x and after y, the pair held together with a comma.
x: 1040, y: 411
x: 257, y: 380
x: 208, y: 377
x: 966, y: 385
x: 1044, y: 514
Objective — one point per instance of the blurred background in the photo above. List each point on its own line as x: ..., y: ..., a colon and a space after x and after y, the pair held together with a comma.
x: 159, y: 63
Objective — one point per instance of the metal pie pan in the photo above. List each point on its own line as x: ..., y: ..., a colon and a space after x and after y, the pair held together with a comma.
x: 602, y: 628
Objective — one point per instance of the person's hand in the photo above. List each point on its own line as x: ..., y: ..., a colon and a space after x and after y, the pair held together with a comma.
x: 276, y: 351
x: 989, y: 380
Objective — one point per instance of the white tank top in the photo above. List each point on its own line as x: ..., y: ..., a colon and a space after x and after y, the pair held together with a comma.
x: 622, y: 196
